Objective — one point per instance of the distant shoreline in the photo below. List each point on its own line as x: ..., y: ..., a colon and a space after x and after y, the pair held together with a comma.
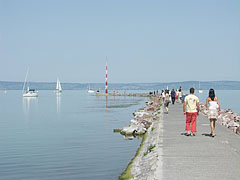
x: 205, y: 85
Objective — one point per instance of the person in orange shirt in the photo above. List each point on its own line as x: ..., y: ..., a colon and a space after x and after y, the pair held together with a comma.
x: 191, y: 110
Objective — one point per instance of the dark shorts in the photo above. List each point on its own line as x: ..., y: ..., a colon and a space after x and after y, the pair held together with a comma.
x: 167, y: 103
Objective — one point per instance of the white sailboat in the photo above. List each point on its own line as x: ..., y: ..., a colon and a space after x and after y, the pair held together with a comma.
x: 90, y: 90
x: 29, y: 92
x: 199, y: 89
x: 58, y: 87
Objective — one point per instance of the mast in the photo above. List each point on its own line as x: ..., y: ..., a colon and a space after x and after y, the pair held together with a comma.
x: 57, y: 85
x: 106, y: 83
x: 25, y: 80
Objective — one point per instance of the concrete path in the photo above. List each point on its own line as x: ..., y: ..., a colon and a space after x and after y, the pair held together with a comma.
x: 200, y: 157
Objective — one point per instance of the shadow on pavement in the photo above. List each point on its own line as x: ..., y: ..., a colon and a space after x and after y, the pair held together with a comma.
x: 206, y: 134
x: 184, y: 134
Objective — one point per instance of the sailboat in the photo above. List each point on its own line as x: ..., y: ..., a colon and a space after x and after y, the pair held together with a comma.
x: 58, y: 87
x: 90, y: 90
x: 29, y: 92
x: 199, y: 89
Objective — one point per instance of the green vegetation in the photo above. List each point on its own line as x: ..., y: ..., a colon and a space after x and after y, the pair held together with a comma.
x: 127, y: 173
x: 153, y: 128
x: 117, y: 130
x: 151, y: 147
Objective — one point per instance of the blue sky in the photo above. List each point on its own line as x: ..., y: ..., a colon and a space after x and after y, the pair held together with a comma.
x: 145, y: 41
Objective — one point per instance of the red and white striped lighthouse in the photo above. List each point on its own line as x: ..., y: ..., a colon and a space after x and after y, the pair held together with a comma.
x: 106, y: 83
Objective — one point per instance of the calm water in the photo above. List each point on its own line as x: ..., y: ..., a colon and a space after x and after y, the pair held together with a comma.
x: 65, y: 137
x: 71, y: 136
x: 228, y: 99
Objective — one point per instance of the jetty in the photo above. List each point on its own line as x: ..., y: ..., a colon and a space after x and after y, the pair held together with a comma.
x: 200, y: 157
x: 130, y: 94
x: 167, y: 153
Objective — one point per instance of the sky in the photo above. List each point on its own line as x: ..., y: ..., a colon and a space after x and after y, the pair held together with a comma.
x: 144, y: 40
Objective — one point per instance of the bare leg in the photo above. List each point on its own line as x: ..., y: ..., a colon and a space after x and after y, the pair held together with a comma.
x: 212, y: 125
x: 214, y: 120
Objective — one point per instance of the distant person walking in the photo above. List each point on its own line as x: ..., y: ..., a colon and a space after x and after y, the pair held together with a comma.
x: 180, y: 95
x: 177, y: 95
x: 166, y: 100
x: 191, y: 109
x: 163, y: 95
x: 173, y: 94
x: 213, y: 106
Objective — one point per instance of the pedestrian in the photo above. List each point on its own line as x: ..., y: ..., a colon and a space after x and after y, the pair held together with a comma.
x: 166, y: 100
x: 163, y: 95
x: 184, y: 97
x: 180, y: 95
x: 173, y: 93
x: 191, y: 110
x: 180, y: 88
x: 177, y: 95
x: 213, y: 107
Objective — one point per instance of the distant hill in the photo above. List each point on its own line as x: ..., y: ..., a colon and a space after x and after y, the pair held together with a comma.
x: 218, y: 85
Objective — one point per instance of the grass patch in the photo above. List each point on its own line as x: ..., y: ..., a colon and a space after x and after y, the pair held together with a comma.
x: 149, y: 149
x: 127, y: 173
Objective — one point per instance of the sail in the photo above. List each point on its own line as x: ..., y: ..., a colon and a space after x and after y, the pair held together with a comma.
x: 59, y: 86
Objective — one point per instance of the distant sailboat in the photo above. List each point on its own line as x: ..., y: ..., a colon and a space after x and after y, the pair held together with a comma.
x: 58, y: 87
x: 90, y: 90
x: 29, y: 92
x: 199, y: 89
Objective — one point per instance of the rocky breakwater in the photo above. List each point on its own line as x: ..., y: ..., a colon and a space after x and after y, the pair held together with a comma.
x: 146, y: 122
x: 226, y: 118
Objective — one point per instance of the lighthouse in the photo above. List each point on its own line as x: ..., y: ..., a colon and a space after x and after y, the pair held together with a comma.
x: 106, y: 83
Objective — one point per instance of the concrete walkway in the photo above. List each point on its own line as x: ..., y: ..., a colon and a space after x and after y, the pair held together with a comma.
x: 200, y: 157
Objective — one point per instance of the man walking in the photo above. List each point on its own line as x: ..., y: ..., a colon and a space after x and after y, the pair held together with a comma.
x: 191, y: 109
x: 173, y: 96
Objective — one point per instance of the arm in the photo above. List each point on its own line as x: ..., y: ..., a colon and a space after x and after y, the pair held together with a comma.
x: 198, y: 108
x: 218, y: 105
x: 184, y: 107
x: 207, y: 103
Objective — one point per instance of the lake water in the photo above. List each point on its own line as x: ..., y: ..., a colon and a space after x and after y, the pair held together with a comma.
x: 65, y: 137
x: 228, y: 99
x: 71, y: 136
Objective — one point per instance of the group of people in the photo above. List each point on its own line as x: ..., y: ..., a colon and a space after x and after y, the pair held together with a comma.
x: 172, y: 96
x: 191, y: 108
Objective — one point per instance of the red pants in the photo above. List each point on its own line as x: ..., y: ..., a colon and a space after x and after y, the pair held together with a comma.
x: 191, y: 118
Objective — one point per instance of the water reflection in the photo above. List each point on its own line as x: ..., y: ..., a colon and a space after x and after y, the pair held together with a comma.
x: 27, y: 103
x: 106, y: 110
x: 58, y: 102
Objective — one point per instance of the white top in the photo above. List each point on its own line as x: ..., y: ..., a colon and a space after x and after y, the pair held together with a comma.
x: 180, y: 94
x: 163, y: 94
x: 212, y: 105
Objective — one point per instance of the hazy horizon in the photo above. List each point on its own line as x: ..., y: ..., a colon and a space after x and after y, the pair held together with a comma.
x: 120, y: 82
